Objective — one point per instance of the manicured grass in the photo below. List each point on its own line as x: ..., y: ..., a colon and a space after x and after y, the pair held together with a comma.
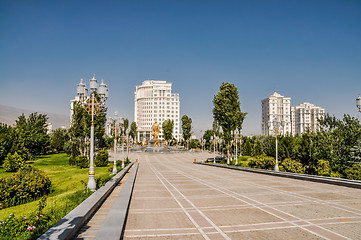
x: 65, y: 179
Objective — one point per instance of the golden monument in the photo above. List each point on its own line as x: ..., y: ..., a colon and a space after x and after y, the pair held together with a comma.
x: 155, y: 130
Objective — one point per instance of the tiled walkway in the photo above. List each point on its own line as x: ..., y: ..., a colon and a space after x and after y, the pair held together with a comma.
x: 90, y: 230
x: 176, y: 199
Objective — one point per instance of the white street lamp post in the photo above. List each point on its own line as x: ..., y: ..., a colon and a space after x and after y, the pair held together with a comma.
x: 276, y: 126
x: 213, y: 139
x: 115, y: 142
x: 123, y: 139
x: 92, y: 106
x: 236, y: 140
x: 91, y: 181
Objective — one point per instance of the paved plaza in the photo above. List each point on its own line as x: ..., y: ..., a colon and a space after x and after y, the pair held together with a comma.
x: 176, y: 199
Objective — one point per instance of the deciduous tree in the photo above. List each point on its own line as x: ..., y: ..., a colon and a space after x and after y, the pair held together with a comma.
x: 227, y: 112
x: 167, y: 127
x: 186, y: 127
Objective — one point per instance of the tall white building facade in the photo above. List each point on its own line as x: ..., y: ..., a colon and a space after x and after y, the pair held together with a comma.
x: 277, y: 107
x: 305, y: 117
x: 155, y: 102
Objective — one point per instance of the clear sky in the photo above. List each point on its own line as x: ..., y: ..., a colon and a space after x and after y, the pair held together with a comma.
x: 308, y: 50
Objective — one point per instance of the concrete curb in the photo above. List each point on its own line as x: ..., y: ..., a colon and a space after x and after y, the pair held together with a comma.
x: 306, y: 177
x: 114, y: 224
x: 68, y: 226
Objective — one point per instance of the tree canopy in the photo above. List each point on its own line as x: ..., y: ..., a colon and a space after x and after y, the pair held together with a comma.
x: 167, y: 127
x: 227, y: 110
x: 133, y: 130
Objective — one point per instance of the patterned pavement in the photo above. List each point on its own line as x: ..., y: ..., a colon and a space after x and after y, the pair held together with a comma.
x: 176, y: 199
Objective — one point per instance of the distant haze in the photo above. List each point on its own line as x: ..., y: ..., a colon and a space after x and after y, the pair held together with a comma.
x: 9, y: 114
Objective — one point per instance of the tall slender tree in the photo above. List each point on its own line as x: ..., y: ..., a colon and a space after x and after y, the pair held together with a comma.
x: 227, y: 112
x: 186, y: 127
x: 133, y: 130
x: 167, y: 127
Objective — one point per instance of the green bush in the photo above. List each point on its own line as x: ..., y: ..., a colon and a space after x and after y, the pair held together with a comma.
x: 26, y: 185
x: 102, y: 180
x: 336, y: 175
x: 101, y: 160
x: 291, y: 165
x: 13, y: 162
x: 262, y: 161
x: 127, y: 161
x: 323, y: 168
x: 354, y: 172
x: 72, y: 160
x: 82, y: 161
x: 119, y: 163
x: 243, y: 158
x: 36, y: 223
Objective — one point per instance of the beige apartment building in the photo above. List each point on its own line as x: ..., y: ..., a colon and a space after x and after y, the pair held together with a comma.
x: 305, y: 117
x: 292, y: 120
x: 277, y: 107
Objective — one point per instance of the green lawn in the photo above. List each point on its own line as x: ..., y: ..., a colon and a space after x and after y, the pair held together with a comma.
x: 65, y: 179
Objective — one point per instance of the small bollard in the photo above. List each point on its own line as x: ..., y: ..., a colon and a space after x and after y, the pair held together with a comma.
x: 195, y: 160
x: 136, y: 160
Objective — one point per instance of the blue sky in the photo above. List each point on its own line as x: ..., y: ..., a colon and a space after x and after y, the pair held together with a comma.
x: 307, y: 50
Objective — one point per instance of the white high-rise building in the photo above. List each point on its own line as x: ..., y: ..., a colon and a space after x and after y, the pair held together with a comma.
x: 305, y: 116
x: 277, y: 107
x: 155, y: 102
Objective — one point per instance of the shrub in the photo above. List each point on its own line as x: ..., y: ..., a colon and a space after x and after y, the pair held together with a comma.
x: 101, y: 160
x: 336, y: 175
x: 102, y: 180
x: 82, y: 161
x: 35, y: 224
x: 26, y: 185
x: 72, y: 160
x: 323, y: 168
x: 243, y: 158
x: 13, y: 162
x: 262, y: 161
x: 127, y: 161
x: 354, y: 172
x: 257, y: 149
x: 294, y: 166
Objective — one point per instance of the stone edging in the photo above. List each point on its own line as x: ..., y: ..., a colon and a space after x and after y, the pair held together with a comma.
x: 69, y: 225
x: 312, y: 178
x: 114, y: 224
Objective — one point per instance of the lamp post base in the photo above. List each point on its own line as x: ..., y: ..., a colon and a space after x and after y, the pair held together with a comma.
x: 91, y: 183
x: 114, y: 168
x: 276, y: 168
